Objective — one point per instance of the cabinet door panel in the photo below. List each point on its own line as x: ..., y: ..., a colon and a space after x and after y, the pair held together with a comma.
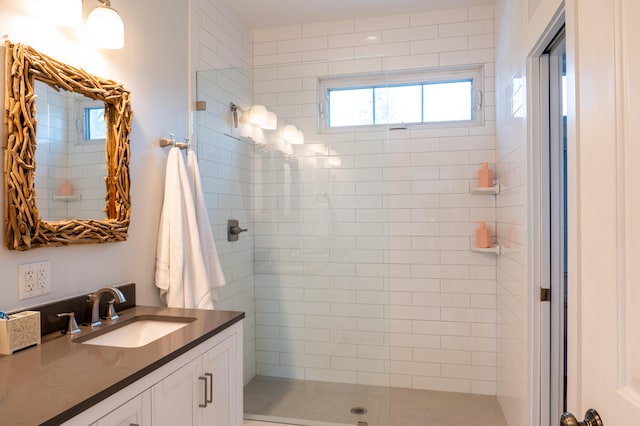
x: 136, y: 411
x: 176, y: 397
x: 221, y: 363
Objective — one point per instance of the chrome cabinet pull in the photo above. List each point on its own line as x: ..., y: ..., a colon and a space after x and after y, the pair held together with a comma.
x: 204, y: 379
x: 210, y: 399
x: 591, y: 418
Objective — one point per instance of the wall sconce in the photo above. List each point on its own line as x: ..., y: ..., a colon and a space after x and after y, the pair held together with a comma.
x: 258, y: 115
x: 105, y: 27
x: 253, y: 121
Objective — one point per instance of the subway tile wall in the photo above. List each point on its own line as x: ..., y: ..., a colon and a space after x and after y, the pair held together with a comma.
x: 363, y: 272
x: 514, y: 31
x: 222, y: 56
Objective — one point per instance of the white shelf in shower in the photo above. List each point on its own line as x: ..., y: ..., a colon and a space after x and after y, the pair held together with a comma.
x: 492, y: 190
x: 493, y: 249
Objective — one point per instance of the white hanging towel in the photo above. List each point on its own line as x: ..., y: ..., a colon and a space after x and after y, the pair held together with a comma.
x: 208, y: 244
x: 181, y: 274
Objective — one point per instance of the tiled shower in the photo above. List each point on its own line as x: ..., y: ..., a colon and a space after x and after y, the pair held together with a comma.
x: 357, y: 265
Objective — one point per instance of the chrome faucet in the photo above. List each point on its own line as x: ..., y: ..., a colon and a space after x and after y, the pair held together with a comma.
x: 94, y: 301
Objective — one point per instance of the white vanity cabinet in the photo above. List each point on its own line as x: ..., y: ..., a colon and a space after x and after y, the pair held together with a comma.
x: 203, y: 392
x: 200, y: 387
x: 225, y: 365
x: 176, y: 398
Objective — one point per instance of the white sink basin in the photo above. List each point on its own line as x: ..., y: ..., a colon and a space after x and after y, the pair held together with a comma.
x: 137, y: 333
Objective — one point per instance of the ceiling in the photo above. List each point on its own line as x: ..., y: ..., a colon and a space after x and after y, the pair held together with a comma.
x: 268, y: 13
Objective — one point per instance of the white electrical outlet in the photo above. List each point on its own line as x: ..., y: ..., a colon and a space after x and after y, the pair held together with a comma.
x: 34, y: 279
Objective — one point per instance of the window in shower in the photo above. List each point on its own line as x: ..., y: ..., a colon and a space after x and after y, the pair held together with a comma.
x: 450, y: 97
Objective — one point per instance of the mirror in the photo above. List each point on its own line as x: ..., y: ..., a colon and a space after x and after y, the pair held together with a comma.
x: 48, y: 200
x: 70, y: 155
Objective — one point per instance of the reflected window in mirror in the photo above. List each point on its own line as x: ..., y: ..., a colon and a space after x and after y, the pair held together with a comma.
x: 94, y: 125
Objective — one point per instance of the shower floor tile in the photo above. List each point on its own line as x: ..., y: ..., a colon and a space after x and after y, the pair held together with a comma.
x: 311, y: 403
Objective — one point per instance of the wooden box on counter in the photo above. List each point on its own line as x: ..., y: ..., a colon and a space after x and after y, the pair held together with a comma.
x: 20, y: 331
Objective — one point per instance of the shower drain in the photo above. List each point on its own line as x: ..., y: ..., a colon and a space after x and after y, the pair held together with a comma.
x: 358, y: 410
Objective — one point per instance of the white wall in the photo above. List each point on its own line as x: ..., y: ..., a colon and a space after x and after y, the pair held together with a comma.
x: 520, y: 24
x: 154, y: 67
x: 363, y: 268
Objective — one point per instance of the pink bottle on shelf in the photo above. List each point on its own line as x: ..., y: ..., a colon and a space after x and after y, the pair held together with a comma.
x: 483, y: 236
x: 485, y: 176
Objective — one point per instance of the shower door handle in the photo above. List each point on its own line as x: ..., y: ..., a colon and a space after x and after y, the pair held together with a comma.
x: 591, y: 418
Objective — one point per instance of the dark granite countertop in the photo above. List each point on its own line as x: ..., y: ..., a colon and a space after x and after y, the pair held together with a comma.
x: 52, y: 382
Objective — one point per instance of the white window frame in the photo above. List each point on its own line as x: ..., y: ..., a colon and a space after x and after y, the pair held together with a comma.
x: 475, y: 73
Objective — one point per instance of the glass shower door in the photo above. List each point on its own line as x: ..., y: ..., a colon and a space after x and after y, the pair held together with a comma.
x: 316, y: 293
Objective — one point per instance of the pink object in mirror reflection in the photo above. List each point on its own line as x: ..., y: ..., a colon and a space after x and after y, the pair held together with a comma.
x: 66, y: 189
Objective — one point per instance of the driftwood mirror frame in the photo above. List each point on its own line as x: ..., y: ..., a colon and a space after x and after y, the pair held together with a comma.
x: 24, y: 229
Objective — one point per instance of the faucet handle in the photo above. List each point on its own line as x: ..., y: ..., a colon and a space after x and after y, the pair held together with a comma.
x: 72, y: 325
x: 111, y: 311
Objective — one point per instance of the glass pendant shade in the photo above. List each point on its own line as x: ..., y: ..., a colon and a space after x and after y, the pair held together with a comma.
x: 105, y: 28
x: 290, y: 132
x: 292, y: 135
x: 258, y: 115
x: 271, y: 123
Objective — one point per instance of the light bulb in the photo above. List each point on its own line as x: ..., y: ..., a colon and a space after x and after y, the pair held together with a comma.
x: 105, y: 28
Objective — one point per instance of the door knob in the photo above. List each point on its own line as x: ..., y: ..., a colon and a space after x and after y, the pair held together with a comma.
x: 591, y: 418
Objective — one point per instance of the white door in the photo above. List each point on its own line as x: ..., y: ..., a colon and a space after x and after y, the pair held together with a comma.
x: 603, y: 39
